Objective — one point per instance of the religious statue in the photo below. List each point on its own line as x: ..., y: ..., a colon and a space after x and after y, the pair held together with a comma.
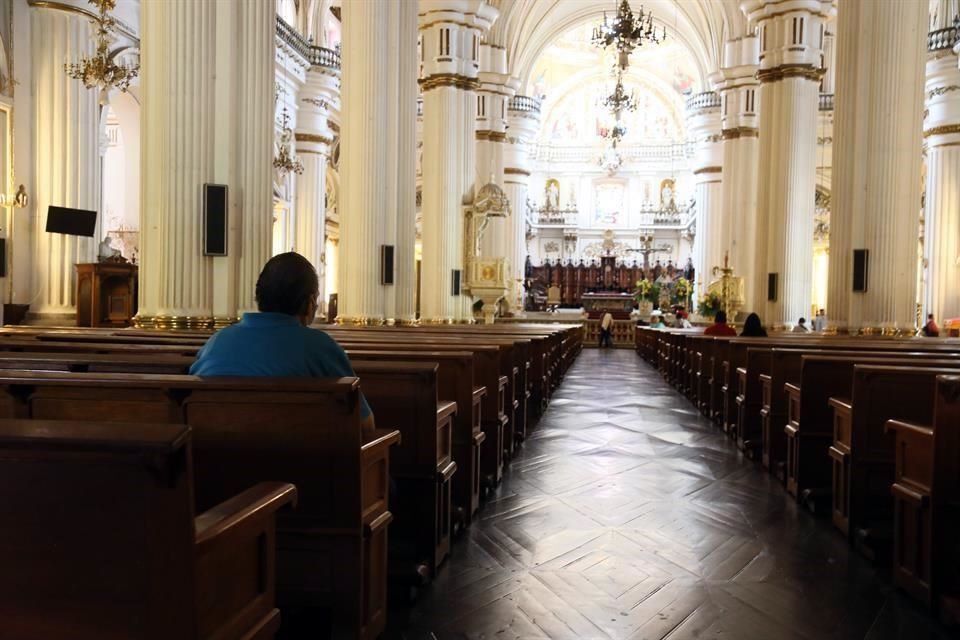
x: 107, y: 253
x: 552, y: 195
x: 688, y: 271
x: 667, y: 195
x: 20, y: 200
x: 657, y: 270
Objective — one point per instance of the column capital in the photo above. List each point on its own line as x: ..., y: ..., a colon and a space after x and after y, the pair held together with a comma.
x: 791, y: 36
x: 941, y: 122
x: 450, y: 32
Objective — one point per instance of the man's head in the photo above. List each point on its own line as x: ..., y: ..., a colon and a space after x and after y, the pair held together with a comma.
x: 721, y: 317
x: 802, y: 321
x: 289, y: 284
x: 930, y: 317
x: 821, y: 312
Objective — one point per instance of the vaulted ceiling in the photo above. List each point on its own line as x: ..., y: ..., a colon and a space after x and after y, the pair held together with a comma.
x: 526, y: 27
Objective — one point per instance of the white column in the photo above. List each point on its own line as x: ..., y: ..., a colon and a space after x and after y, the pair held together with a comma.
x: 491, y: 121
x: 523, y: 117
x: 942, y: 216
x: 313, y: 138
x: 877, y: 154
x: 377, y: 159
x: 67, y: 162
x: 254, y: 51
x: 207, y: 118
x: 703, y: 125
x: 740, y: 94
x: 450, y: 32
x: 791, y: 44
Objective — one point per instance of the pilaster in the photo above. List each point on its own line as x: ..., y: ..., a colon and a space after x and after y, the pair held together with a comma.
x: 523, y: 118
x: 877, y: 155
x: 703, y: 125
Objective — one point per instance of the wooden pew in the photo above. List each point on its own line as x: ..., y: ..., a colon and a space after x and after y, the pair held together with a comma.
x: 331, y: 553
x: 926, y: 495
x: 863, y: 453
x: 101, y: 540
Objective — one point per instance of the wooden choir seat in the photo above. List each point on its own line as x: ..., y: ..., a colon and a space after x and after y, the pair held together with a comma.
x: 101, y: 540
x: 926, y: 495
x: 331, y: 552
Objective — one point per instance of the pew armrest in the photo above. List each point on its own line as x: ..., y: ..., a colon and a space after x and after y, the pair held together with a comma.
x: 907, y: 427
x: 253, y: 505
x: 379, y: 438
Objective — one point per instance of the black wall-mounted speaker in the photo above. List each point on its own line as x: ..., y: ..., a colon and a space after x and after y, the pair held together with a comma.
x: 455, y: 283
x: 71, y: 222
x: 861, y: 268
x: 386, y: 264
x: 3, y: 257
x: 772, y: 281
x: 214, y: 219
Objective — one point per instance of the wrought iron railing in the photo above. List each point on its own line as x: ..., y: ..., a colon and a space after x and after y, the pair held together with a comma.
x: 524, y: 103
x: 942, y: 38
x: 826, y: 102
x: 705, y: 100
x: 629, y: 153
x: 316, y: 56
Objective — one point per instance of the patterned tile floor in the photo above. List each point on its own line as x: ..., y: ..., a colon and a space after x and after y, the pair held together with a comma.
x: 627, y: 515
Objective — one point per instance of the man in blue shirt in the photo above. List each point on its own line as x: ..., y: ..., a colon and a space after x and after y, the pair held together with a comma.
x: 276, y: 342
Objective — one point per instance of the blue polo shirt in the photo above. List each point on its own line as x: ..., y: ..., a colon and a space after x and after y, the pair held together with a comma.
x: 273, y: 345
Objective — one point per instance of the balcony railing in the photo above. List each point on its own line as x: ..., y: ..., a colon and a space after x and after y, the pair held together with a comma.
x: 629, y: 153
x: 419, y: 106
x: 705, y: 100
x: 524, y: 103
x: 316, y: 56
x: 942, y: 39
x: 826, y: 102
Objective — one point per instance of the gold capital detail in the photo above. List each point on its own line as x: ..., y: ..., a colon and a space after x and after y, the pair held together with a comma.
x: 454, y: 80
x: 513, y: 171
x: 942, y: 130
x: 740, y: 132
x: 311, y: 137
x: 697, y: 172
x: 775, y: 74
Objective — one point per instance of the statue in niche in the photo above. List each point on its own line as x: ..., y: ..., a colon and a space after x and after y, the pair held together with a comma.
x: 667, y: 187
x: 20, y: 199
x: 552, y: 194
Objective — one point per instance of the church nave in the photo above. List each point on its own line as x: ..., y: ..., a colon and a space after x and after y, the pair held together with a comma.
x: 628, y: 515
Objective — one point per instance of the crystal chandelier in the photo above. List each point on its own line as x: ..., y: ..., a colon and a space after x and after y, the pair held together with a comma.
x: 100, y: 70
x: 619, y: 100
x: 626, y: 32
x: 285, y: 162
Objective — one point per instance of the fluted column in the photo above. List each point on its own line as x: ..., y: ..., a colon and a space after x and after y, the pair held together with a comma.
x: 740, y: 94
x: 256, y: 81
x: 703, y: 125
x: 177, y: 158
x: 450, y: 32
x: 67, y: 163
x: 791, y: 43
x: 942, y: 216
x: 494, y: 93
x: 877, y: 154
x: 523, y: 117
x: 313, y: 138
x: 377, y: 161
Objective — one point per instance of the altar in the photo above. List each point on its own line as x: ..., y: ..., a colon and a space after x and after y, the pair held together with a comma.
x: 618, y: 304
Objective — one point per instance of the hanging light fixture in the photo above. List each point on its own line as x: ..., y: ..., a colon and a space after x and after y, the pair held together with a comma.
x: 100, y: 70
x: 285, y: 162
x: 619, y: 100
x: 626, y: 31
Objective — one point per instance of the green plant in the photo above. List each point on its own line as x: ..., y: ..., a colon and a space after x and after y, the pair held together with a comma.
x: 709, y: 305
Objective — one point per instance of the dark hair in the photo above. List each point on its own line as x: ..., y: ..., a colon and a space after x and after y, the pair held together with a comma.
x: 802, y: 320
x: 929, y: 316
x: 287, y: 284
x: 752, y: 327
x: 721, y: 316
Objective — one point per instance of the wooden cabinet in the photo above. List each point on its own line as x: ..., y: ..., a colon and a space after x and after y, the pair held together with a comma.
x: 106, y: 294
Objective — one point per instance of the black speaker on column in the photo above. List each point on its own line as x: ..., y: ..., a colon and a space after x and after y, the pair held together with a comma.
x: 386, y: 264
x: 772, y: 281
x: 861, y: 267
x: 3, y: 257
x: 214, y: 219
x: 455, y: 283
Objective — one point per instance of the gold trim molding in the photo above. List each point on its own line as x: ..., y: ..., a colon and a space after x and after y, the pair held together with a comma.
x: 492, y: 136
x: 455, y: 80
x: 942, y: 130
x: 780, y: 72
x: 740, y: 132
x: 312, y: 137
x: 181, y: 322
x: 513, y: 171
x: 697, y: 172
x: 360, y: 321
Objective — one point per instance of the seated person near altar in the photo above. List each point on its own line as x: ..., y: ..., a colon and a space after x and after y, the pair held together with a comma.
x: 720, y: 326
x: 277, y: 341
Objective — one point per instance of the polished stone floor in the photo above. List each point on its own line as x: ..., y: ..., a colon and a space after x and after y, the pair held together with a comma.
x: 627, y: 515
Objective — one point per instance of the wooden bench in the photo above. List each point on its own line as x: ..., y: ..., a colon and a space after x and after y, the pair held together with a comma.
x: 101, y: 539
x: 332, y: 552
x: 926, y: 495
x: 863, y: 451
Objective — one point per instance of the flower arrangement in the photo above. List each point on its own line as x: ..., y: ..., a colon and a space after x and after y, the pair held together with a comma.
x: 682, y: 288
x: 643, y: 289
x: 709, y: 305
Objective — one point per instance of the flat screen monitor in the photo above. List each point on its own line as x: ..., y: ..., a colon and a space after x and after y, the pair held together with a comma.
x: 72, y: 222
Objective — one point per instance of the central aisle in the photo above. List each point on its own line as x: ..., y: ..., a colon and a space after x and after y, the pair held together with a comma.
x: 627, y: 515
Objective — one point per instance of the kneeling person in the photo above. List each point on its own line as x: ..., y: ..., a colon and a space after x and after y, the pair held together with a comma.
x: 276, y: 342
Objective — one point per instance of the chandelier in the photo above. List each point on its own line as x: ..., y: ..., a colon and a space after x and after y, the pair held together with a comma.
x: 626, y: 32
x: 610, y: 160
x: 100, y: 70
x: 619, y: 100
x: 285, y: 162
